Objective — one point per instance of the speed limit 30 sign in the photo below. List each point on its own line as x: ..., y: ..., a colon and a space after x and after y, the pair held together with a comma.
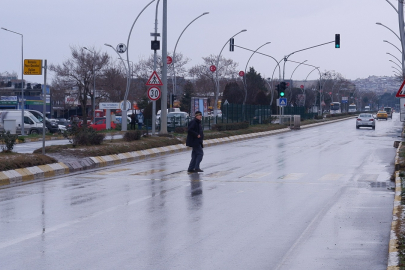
x: 154, y: 93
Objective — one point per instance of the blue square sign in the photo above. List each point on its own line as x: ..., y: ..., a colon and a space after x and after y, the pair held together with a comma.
x: 282, y: 102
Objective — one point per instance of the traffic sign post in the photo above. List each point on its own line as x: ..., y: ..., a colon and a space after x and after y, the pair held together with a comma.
x: 169, y: 60
x: 241, y: 73
x: 154, y: 80
x: 282, y: 102
x: 213, y: 68
x: 154, y: 93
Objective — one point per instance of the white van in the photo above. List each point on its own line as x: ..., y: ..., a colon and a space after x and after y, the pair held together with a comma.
x: 31, y: 124
x: 367, y: 108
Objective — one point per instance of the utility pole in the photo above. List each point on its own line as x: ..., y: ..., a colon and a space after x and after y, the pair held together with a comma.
x: 163, y: 111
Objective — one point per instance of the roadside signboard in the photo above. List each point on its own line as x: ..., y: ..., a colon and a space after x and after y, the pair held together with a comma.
x: 402, y: 109
x: 128, y: 107
x: 401, y: 91
x: 154, y: 80
x: 302, y: 86
x: 282, y: 102
x: 109, y: 105
x: 169, y: 60
x: 241, y: 73
x: 154, y: 93
x: 213, y: 68
x: 345, y: 99
x: 32, y: 67
x: 121, y: 48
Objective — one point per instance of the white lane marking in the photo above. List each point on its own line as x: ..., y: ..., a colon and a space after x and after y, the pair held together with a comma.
x: 292, y: 176
x: 256, y: 175
x: 330, y: 177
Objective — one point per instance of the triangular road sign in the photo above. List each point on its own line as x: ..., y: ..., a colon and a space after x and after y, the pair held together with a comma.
x: 154, y: 80
x: 401, y: 92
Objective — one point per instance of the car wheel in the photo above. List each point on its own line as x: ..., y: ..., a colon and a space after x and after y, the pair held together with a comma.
x: 34, y: 131
x: 373, y: 127
x: 357, y: 127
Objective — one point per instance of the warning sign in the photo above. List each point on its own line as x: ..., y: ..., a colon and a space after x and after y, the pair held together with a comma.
x: 401, y: 91
x: 154, y: 80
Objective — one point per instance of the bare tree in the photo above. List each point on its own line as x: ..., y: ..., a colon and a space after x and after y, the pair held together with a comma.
x: 78, y: 72
x: 206, y: 79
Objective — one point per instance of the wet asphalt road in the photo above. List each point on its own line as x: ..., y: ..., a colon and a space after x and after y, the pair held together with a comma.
x: 317, y: 198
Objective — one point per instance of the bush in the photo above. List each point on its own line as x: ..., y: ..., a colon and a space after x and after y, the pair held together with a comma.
x: 181, y: 130
x: 130, y: 136
x: 8, y: 140
x: 230, y: 126
x: 84, y: 136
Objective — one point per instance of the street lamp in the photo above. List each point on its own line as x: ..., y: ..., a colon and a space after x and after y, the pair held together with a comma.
x: 217, y: 79
x: 394, y: 63
x: 174, y: 52
x: 378, y: 23
x: 94, y: 83
x: 124, y: 125
x: 395, y: 57
x: 22, y: 79
x: 393, y: 45
x: 244, y: 84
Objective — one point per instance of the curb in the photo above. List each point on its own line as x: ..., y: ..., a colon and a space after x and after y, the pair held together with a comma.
x: 60, y: 168
x: 392, y: 248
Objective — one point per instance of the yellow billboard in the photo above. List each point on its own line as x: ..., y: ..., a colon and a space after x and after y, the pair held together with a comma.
x: 32, y: 67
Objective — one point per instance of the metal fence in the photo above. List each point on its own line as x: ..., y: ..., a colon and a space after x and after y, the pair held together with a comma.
x: 233, y: 113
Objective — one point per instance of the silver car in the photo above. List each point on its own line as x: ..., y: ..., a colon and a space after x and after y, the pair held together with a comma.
x: 365, y: 120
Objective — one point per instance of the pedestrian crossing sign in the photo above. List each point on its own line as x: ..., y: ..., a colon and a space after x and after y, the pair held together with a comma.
x: 154, y: 80
x: 282, y: 102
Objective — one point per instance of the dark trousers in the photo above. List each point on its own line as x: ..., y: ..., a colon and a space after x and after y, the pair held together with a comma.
x: 196, y: 157
x: 132, y: 126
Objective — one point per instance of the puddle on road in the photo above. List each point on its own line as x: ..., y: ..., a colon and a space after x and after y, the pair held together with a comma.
x: 147, y: 172
x: 112, y: 171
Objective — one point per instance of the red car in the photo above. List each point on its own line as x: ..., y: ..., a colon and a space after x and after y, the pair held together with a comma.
x: 101, y: 124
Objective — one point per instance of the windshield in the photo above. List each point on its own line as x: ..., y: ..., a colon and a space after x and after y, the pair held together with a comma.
x: 387, y: 110
x: 334, y: 106
x: 35, y: 119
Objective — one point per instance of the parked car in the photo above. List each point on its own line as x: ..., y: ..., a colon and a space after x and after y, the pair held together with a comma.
x: 101, y: 125
x: 365, y: 120
x: 389, y: 111
x: 177, y: 119
x: 382, y: 115
x: 31, y: 124
x: 50, y: 125
x: 63, y: 124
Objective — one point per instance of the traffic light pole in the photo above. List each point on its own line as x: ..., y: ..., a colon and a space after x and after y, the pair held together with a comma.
x: 286, y: 57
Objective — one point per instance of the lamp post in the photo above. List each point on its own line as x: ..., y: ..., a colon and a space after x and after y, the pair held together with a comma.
x: 124, y: 125
x: 395, y: 57
x: 393, y: 45
x: 174, y: 53
x: 394, y: 63
x: 401, y: 33
x: 216, y: 73
x: 22, y: 79
x: 244, y: 76
x: 94, y: 83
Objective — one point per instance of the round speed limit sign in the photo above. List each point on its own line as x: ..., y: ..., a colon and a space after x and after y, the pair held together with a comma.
x: 154, y: 93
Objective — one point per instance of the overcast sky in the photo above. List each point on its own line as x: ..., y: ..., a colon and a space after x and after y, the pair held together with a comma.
x: 50, y: 27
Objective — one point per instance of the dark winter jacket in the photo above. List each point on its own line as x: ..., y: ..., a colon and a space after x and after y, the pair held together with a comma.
x: 194, y: 129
